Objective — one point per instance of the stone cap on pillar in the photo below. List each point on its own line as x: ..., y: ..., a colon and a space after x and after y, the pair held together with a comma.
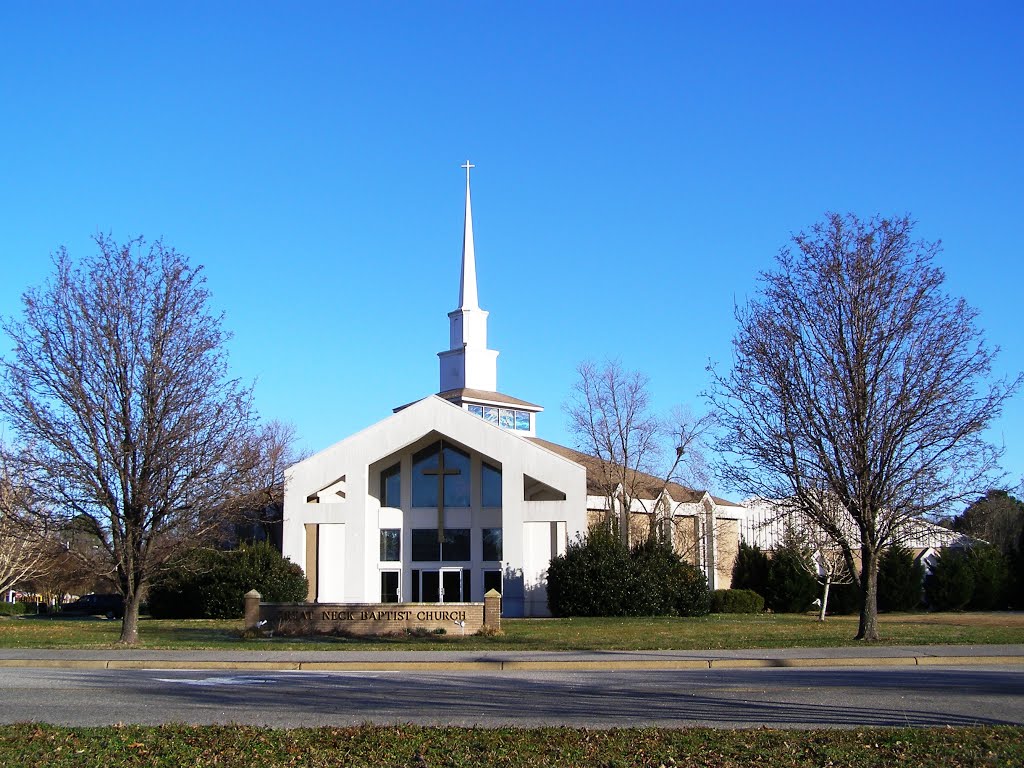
x: 253, y: 593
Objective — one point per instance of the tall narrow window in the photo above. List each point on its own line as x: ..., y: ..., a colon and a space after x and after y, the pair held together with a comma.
x: 390, y: 545
x: 492, y: 580
x: 391, y: 486
x: 491, y: 544
x: 491, y: 482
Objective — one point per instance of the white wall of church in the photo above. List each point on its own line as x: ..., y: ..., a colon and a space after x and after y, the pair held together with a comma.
x: 353, y: 468
x: 330, y: 570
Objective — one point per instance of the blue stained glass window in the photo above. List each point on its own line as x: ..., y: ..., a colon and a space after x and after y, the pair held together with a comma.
x: 523, y: 420
x: 476, y: 410
x: 491, y: 414
x: 508, y: 418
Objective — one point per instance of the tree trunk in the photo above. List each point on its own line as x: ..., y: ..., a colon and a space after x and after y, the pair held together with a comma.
x: 130, y: 622
x: 824, y: 599
x: 868, y: 629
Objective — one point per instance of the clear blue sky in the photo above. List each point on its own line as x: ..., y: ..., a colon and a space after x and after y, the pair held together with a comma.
x: 637, y: 165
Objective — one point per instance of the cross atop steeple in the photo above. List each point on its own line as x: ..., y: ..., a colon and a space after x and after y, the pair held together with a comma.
x: 467, y: 165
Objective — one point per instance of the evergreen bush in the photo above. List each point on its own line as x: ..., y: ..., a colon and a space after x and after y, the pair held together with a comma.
x: 599, y: 576
x: 1015, y: 589
x: 210, y: 585
x: 950, y: 585
x: 591, y: 578
x: 991, y: 578
x: 790, y: 587
x: 736, y: 601
x: 900, y: 580
x: 750, y: 571
x: 13, y: 609
x: 843, y: 599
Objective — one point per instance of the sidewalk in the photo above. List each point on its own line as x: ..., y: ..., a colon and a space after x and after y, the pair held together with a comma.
x: 514, y: 661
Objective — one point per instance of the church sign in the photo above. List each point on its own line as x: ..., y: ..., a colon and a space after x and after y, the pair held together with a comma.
x: 371, y: 618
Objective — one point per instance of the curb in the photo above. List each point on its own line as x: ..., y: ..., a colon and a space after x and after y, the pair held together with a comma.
x: 512, y: 665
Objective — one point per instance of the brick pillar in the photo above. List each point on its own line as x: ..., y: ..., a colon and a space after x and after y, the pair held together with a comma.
x: 252, y: 608
x: 492, y: 610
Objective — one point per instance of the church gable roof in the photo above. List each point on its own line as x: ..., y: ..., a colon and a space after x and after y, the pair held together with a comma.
x: 403, y: 429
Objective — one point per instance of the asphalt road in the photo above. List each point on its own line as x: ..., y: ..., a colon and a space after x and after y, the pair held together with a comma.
x: 730, y: 698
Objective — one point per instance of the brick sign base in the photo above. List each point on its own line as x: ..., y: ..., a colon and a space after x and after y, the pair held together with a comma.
x: 371, y: 618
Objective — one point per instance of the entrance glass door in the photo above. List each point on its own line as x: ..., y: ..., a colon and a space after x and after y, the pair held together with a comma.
x: 430, y: 591
x: 451, y: 585
x: 441, y: 586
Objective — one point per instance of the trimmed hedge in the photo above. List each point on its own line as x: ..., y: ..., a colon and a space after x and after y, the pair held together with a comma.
x: 599, y: 576
x: 208, y: 584
x: 736, y: 601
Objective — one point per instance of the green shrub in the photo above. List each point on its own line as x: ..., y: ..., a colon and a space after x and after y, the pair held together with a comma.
x: 750, y: 571
x: 790, y: 588
x: 599, y: 576
x: 210, y: 585
x: 1015, y: 589
x: 13, y: 609
x: 950, y: 585
x: 591, y: 578
x: 991, y: 578
x: 900, y: 580
x: 736, y: 601
x: 843, y: 599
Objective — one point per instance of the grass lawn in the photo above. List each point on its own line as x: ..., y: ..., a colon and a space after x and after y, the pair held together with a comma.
x: 709, y: 632
x: 177, y: 745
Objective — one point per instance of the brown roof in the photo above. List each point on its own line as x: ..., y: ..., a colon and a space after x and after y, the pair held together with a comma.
x: 644, y: 485
x: 485, y: 396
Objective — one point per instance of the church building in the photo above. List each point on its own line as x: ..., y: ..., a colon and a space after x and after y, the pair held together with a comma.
x: 454, y: 495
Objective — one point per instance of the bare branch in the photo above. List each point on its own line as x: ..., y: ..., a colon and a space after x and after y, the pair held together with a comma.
x: 858, y: 380
x: 119, y: 385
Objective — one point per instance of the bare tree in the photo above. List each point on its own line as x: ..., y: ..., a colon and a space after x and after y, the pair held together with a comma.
x: 858, y: 381
x: 827, y: 558
x: 118, y: 387
x: 637, y: 456
x: 261, y: 509
x: 24, y: 528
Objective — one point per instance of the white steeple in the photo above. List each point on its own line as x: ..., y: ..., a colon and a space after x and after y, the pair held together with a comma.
x: 468, y: 363
x: 467, y: 281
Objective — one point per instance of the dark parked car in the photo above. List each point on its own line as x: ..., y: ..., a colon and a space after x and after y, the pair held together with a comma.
x: 111, y: 606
